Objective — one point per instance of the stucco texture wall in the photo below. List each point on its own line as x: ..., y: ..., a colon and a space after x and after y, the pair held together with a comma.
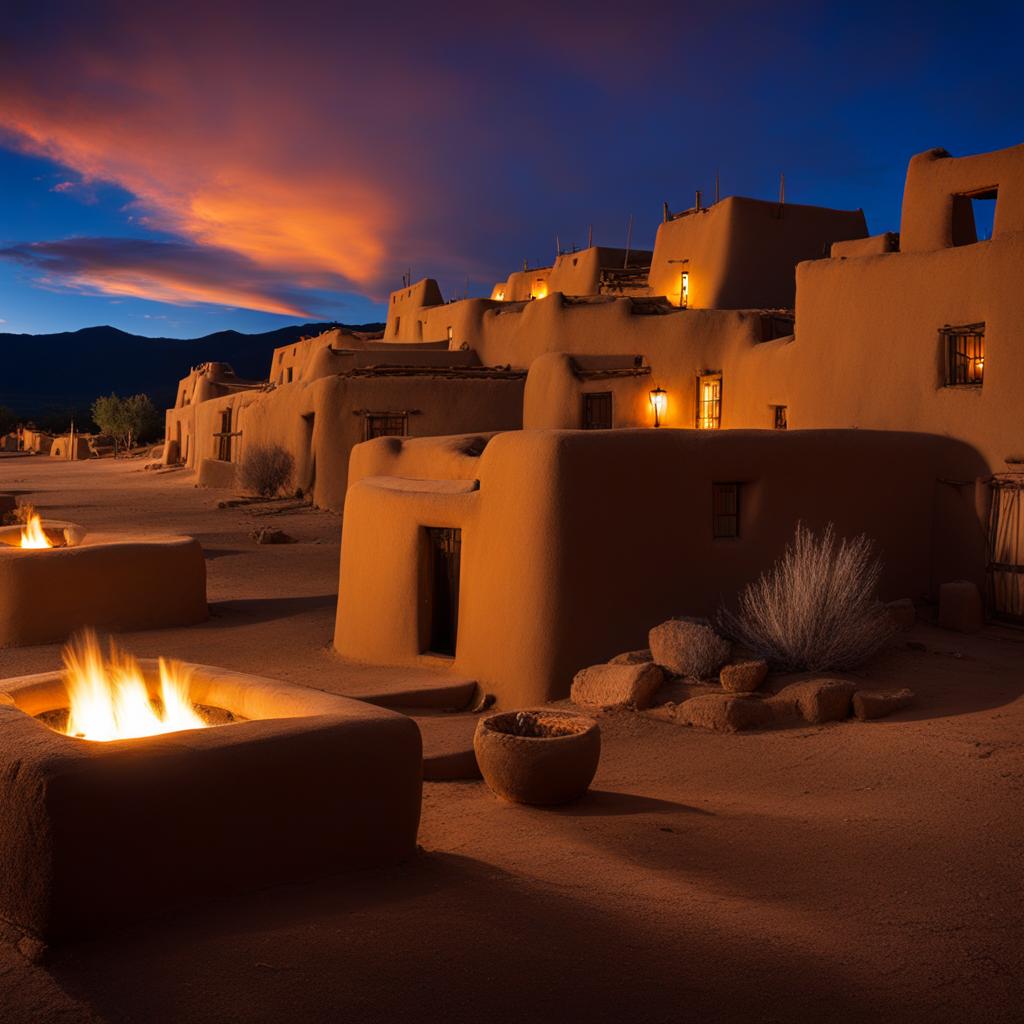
x: 576, y: 543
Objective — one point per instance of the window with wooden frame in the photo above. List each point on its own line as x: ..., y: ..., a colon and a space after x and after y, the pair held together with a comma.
x: 725, y: 510
x: 709, y: 401
x: 780, y: 417
x: 385, y: 424
x: 963, y: 350
x: 597, y: 410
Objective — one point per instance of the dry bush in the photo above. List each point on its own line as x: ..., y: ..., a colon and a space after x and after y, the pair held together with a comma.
x: 266, y: 469
x: 816, y: 608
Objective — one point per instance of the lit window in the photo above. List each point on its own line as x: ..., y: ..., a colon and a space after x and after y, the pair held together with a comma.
x: 709, y: 401
x: 451, y: 334
x: 684, y: 289
x: 964, y: 354
x: 725, y: 510
x: 781, y: 417
x: 385, y: 424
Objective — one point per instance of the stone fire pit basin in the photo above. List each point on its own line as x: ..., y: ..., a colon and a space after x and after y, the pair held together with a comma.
x: 111, y: 582
x: 94, y: 835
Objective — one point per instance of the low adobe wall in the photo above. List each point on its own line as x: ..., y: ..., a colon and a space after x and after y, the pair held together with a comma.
x: 112, y: 582
x: 577, y: 542
x: 101, y: 834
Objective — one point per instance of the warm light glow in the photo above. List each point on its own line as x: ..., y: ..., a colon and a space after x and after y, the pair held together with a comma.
x: 659, y: 402
x: 109, y: 700
x: 32, y: 534
x: 684, y: 289
x: 499, y: 295
x: 539, y: 289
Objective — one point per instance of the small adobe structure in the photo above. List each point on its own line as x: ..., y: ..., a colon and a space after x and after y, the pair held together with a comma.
x: 551, y: 550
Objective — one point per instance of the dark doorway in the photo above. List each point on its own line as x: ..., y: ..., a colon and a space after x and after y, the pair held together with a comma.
x: 310, y: 479
x: 444, y: 561
x: 224, y: 436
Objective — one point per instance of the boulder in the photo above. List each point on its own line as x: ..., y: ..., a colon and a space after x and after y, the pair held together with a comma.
x: 815, y: 700
x: 608, y: 686
x: 879, y: 703
x: 902, y: 613
x: 960, y: 607
x: 689, y: 647
x: 723, y: 712
x: 266, y: 535
x: 743, y: 676
x: 632, y: 657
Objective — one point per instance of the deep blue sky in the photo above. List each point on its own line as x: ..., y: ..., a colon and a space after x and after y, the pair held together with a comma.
x: 179, y: 173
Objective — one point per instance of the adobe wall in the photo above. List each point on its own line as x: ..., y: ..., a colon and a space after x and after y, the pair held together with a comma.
x: 742, y: 252
x: 319, y: 421
x: 547, y: 587
x: 557, y: 383
x: 868, y: 352
x: 931, y: 217
x: 404, y: 322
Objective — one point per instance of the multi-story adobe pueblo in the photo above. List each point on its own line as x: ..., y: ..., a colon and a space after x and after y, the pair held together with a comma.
x: 746, y: 316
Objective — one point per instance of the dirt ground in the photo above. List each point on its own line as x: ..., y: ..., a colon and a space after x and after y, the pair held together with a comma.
x: 847, y: 872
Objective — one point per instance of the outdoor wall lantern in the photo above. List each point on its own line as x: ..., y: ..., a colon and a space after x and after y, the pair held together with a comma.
x: 659, y: 400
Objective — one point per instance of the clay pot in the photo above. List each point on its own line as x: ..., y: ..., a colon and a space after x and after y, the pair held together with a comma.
x: 538, y: 757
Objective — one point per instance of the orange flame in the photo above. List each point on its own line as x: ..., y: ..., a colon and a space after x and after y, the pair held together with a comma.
x: 32, y: 534
x: 109, y: 699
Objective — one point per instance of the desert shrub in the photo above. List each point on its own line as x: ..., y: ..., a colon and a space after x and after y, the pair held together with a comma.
x: 266, y: 469
x: 816, y: 609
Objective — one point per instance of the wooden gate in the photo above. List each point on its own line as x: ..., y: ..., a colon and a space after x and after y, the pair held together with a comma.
x: 1006, y: 546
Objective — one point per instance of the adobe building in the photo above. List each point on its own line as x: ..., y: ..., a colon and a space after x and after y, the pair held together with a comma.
x: 328, y: 393
x: 526, y: 555
x: 558, y: 547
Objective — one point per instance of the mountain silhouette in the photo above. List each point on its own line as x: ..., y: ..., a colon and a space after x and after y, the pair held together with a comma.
x: 47, y: 374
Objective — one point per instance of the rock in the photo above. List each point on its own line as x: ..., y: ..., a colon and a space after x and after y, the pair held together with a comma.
x: 632, y: 657
x: 902, y: 613
x: 879, y: 703
x: 265, y: 535
x: 32, y: 949
x: 743, y: 676
x: 960, y: 607
x: 815, y: 700
x: 724, y: 713
x: 606, y: 686
x: 689, y: 647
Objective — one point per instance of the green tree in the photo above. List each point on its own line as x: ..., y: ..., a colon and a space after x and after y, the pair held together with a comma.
x: 127, y: 420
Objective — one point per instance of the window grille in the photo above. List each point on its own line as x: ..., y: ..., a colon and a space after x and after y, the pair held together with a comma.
x: 781, y: 417
x: 964, y: 351
x: 597, y: 410
x: 709, y: 401
x: 385, y: 424
x: 725, y: 510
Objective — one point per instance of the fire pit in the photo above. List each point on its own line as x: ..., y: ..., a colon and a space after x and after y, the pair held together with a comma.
x: 55, y: 578
x: 246, y: 782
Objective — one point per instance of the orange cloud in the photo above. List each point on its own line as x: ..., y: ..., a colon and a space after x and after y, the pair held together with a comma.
x: 173, y: 272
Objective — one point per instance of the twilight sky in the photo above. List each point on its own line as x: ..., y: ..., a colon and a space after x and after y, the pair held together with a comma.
x: 175, y: 169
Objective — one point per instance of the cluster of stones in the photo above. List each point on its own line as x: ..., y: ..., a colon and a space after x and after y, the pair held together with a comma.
x: 695, y: 677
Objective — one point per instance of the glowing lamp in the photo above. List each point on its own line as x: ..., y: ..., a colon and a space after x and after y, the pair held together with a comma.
x: 499, y: 295
x: 659, y: 401
x: 539, y: 289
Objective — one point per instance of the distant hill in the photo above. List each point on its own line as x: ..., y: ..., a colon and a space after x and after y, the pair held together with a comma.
x: 44, y: 376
